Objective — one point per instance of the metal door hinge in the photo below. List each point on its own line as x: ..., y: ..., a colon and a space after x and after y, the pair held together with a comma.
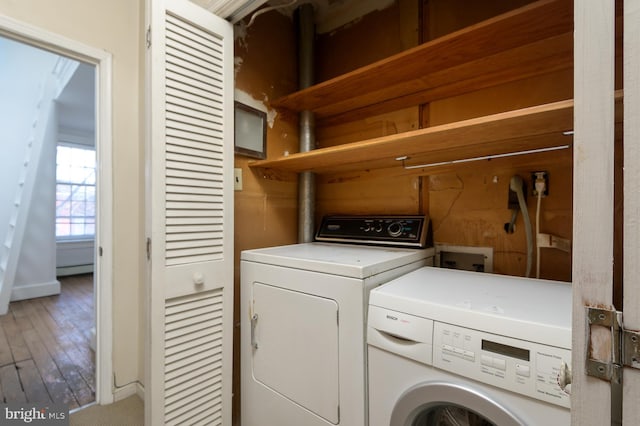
x: 148, y: 248
x: 608, y: 354
x: 148, y: 37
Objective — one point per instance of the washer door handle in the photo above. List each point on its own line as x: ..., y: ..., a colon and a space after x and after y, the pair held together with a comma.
x: 254, y: 320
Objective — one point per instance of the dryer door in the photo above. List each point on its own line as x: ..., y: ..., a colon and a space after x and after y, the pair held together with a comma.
x: 295, y: 347
x: 441, y: 403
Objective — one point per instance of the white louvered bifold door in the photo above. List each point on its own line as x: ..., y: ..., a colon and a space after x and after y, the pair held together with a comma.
x: 190, y: 216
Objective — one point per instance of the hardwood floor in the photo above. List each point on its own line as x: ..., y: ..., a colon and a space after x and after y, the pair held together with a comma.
x: 45, y: 353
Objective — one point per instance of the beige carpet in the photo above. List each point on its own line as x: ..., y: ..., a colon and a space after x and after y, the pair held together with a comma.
x: 127, y: 412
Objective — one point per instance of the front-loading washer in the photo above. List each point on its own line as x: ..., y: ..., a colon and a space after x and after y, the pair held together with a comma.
x: 448, y: 347
x: 303, y: 320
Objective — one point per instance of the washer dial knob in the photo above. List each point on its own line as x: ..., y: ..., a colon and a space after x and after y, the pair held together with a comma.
x: 395, y: 229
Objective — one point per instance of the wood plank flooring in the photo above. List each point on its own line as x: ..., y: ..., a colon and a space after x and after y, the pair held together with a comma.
x: 45, y: 353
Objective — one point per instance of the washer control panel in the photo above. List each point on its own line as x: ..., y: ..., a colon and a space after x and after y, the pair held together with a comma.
x: 528, y: 368
x: 402, y: 231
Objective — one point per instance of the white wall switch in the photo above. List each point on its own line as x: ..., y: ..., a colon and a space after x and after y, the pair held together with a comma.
x: 237, y: 179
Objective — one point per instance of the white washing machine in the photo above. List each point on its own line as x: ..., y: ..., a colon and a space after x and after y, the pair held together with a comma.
x: 450, y: 347
x: 303, y: 308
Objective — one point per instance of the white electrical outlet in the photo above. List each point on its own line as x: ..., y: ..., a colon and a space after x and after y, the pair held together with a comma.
x: 237, y: 179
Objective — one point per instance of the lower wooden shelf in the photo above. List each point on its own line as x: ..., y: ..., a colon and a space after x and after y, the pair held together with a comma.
x: 534, y: 128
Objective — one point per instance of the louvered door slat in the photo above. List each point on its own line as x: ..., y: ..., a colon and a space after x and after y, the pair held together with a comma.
x: 198, y: 35
x: 200, y: 91
x: 207, y: 47
x: 193, y: 333
x: 196, y: 388
x: 175, y: 167
x: 179, y: 43
x: 193, y: 411
x: 179, y: 66
x: 195, y: 113
x: 174, y: 224
x: 174, y: 96
x: 191, y: 197
x: 186, y: 373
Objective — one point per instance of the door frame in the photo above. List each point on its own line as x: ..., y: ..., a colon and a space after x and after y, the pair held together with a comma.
x: 103, y: 255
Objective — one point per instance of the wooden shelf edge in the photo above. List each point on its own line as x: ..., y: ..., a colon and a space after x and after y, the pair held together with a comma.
x: 533, y: 22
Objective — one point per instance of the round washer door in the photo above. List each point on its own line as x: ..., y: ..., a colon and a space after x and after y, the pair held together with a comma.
x: 442, y: 403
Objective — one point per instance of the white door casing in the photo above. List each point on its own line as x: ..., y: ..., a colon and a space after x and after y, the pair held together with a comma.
x: 189, y: 215
x: 631, y: 274
x: 103, y: 272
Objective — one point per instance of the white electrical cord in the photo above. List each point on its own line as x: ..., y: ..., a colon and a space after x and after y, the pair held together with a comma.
x: 538, y: 232
x: 540, y: 186
x: 268, y: 9
x: 516, y: 184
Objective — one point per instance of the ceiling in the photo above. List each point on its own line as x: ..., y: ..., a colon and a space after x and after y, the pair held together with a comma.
x: 76, y: 103
x: 330, y: 14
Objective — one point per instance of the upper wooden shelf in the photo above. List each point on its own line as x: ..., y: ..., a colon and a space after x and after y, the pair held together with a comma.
x: 531, y: 40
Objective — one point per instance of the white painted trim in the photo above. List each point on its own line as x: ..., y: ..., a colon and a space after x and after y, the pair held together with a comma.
x: 128, y: 390
x: 104, y: 265
x: 631, y: 302
x: 593, y: 158
x: 74, y: 270
x: 31, y: 291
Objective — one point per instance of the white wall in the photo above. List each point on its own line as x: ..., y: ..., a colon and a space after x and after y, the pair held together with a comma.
x: 116, y: 27
x: 22, y: 75
x: 36, y: 270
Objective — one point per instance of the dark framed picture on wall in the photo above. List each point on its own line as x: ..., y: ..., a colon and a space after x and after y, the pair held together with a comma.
x: 250, y: 131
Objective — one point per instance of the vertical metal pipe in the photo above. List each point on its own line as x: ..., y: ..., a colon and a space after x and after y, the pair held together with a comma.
x: 306, y: 180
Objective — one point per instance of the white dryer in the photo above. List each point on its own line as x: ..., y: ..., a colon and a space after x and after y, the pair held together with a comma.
x: 303, y: 322
x: 456, y: 347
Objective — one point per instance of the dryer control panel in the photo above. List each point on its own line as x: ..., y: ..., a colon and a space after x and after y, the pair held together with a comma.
x: 528, y: 368
x: 399, y: 231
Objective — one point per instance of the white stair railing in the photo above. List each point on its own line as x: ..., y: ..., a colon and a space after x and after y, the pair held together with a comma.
x: 10, y: 249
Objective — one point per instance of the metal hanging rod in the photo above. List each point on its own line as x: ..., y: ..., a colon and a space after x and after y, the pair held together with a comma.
x: 486, y: 157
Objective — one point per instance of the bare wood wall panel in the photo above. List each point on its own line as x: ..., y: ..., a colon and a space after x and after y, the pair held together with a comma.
x: 467, y: 208
x: 386, y: 33
x: 445, y: 16
x: 471, y: 208
x: 378, y: 35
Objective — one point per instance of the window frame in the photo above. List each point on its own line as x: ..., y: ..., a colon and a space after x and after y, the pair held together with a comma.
x: 71, y: 237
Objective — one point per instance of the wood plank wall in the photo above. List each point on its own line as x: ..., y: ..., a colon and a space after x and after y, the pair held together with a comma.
x: 468, y: 204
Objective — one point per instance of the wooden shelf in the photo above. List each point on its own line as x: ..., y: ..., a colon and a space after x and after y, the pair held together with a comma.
x: 532, y: 40
x: 538, y: 127
x: 535, y: 128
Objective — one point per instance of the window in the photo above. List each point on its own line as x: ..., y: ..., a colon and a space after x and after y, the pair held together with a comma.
x: 75, y: 192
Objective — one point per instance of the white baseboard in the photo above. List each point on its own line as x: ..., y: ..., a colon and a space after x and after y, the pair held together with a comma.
x: 128, y: 390
x: 31, y: 291
x: 64, y: 271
